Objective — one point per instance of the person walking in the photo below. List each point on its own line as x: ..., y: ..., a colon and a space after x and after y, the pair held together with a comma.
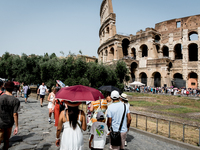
x: 21, y: 88
x: 1, y: 85
x: 124, y: 99
x: 25, y: 89
x: 118, y: 117
x: 42, y: 89
x: 98, y: 132
x: 51, y: 106
x: 9, y: 108
x: 74, y: 122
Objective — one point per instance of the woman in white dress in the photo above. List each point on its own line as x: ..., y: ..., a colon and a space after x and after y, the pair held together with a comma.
x: 50, y: 106
x: 74, y: 122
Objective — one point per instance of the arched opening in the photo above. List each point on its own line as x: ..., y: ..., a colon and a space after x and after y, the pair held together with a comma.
x: 106, y: 56
x: 193, y: 52
x: 134, y: 66
x: 133, y: 77
x: 178, y: 81
x: 125, y: 45
x: 157, y: 48
x: 178, y: 51
x: 144, y: 50
x: 108, y: 30
x: 111, y: 53
x: 143, y: 77
x: 157, y: 38
x: 157, y: 79
x: 192, y: 80
x: 165, y: 51
x: 193, y: 36
x: 133, y: 53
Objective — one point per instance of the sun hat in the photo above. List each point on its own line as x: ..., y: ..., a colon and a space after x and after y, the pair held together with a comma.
x: 124, y: 96
x: 72, y: 104
x: 114, y: 95
x: 100, y: 115
x: 9, y: 85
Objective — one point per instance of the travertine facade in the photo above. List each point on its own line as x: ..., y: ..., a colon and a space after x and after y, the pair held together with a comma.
x: 162, y: 56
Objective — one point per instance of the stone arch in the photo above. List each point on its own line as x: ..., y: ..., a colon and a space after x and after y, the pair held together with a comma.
x: 125, y: 45
x: 106, y: 55
x: 178, y: 80
x: 143, y: 78
x: 157, y: 38
x: 193, y: 36
x: 178, y: 51
x: 108, y: 30
x: 178, y: 76
x: 165, y: 50
x: 133, y: 67
x: 133, y: 53
x: 111, y: 53
x: 193, y: 52
x: 144, y: 50
x: 157, y: 79
x: 192, y: 80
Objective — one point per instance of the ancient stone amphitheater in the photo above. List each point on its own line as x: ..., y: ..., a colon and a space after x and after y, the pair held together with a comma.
x: 166, y: 55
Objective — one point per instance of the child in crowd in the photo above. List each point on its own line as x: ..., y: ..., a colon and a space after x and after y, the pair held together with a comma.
x: 98, y: 131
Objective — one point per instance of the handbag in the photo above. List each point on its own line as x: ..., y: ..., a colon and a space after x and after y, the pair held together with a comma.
x: 115, y: 137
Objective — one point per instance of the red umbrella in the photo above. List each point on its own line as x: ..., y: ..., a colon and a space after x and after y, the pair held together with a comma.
x: 79, y: 93
x: 16, y: 83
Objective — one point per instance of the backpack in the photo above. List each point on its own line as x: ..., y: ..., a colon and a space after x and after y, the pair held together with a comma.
x: 28, y: 91
x: 187, y: 92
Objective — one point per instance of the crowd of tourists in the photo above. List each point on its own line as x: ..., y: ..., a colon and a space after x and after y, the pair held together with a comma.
x: 165, y: 90
x: 109, y: 117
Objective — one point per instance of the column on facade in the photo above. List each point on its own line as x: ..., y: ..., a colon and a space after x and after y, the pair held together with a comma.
x: 185, y: 73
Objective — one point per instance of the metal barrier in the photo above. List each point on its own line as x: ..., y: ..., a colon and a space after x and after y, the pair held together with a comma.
x: 169, y: 129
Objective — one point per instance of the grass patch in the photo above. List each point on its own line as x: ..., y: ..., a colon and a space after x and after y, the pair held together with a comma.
x: 181, y: 110
x: 143, y: 103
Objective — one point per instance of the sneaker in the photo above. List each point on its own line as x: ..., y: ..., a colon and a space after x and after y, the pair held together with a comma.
x: 49, y: 121
x: 41, y: 106
x: 125, y: 143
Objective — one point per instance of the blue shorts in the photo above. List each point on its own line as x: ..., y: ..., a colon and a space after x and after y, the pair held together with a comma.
x: 25, y: 95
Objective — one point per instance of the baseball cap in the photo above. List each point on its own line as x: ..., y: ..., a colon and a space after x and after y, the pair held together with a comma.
x: 114, y: 95
x: 124, y: 96
x: 100, y: 115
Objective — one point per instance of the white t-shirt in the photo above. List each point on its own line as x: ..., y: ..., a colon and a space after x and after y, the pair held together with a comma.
x: 42, y: 89
x: 99, y: 130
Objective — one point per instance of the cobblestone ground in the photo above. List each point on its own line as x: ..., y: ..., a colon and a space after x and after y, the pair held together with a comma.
x: 36, y: 133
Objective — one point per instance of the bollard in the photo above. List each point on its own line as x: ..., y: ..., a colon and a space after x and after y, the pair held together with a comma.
x: 136, y: 120
x: 146, y: 123
x: 183, y: 132
x: 169, y: 129
x: 157, y: 125
x: 199, y: 136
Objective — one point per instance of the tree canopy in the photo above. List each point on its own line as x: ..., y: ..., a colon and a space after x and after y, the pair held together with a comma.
x: 71, y: 70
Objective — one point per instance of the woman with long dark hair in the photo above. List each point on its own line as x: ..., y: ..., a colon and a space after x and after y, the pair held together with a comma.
x: 74, y: 122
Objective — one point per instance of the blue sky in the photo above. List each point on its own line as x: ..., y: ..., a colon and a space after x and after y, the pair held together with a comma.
x: 50, y: 26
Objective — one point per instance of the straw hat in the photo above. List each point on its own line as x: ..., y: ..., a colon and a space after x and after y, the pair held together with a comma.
x: 124, y: 96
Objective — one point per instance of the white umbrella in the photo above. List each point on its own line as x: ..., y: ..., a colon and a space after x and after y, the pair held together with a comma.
x: 137, y: 83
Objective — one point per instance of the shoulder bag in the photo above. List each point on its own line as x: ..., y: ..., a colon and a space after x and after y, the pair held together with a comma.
x: 115, y: 137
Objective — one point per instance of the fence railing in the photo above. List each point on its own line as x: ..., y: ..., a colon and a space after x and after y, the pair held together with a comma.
x: 145, y: 121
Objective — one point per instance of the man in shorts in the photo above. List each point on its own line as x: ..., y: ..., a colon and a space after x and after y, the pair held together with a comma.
x: 114, y: 113
x: 42, y: 89
x: 9, y: 107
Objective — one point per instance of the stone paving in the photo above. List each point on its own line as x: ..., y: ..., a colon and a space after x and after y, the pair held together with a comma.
x: 35, y: 133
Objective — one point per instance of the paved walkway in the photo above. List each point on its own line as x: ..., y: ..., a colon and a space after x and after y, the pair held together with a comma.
x: 36, y: 133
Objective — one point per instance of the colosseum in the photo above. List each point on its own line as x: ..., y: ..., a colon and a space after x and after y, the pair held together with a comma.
x: 166, y: 55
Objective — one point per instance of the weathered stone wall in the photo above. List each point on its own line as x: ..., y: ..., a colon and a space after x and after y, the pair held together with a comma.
x: 167, y: 49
